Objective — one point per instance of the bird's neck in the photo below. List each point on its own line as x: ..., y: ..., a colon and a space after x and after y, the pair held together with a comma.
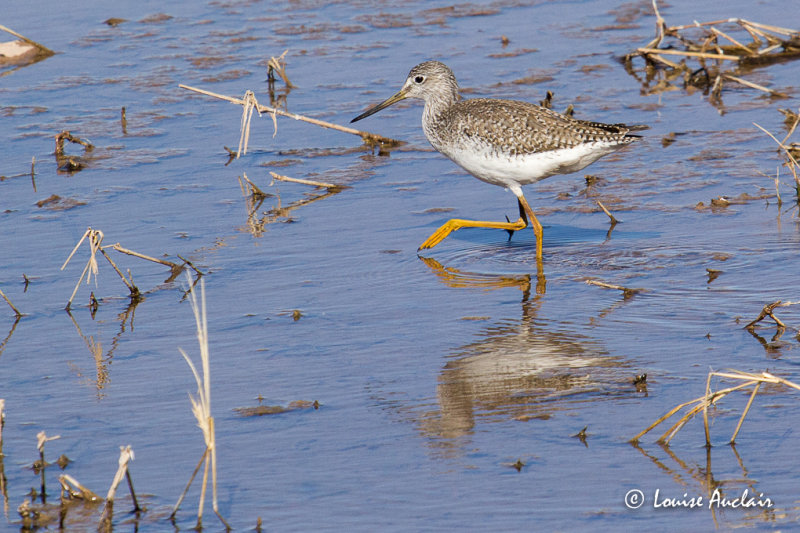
x: 437, y: 104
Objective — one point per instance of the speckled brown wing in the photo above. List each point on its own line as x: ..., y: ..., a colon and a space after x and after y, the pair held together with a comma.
x: 519, y: 128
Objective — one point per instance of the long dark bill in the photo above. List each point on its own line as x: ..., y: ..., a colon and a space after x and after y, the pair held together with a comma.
x: 400, y: 95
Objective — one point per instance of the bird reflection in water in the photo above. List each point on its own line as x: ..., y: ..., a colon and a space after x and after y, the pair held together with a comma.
x: 520, y: 369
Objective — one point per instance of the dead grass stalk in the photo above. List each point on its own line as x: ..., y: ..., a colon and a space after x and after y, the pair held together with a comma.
x: 201, y: 407
x: 711, y: 398
x: 369, y: 138
x: 125, y: 457
x: 11, y: 305
x: 758, y: 44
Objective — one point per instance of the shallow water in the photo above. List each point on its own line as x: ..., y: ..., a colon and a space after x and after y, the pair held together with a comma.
x: 434, y: 374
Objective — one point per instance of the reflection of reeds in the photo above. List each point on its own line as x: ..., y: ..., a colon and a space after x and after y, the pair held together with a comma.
x: 201, y: 408
x: 711, y: 398
x: 255, y: 197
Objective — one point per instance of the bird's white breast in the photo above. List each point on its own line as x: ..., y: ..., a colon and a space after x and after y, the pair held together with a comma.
x: 505, y: 170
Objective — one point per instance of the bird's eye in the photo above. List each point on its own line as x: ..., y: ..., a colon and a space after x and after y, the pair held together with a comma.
x: 419, y: 79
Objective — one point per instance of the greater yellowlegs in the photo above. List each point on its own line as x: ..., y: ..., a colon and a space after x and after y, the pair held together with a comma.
x: 503, y: 142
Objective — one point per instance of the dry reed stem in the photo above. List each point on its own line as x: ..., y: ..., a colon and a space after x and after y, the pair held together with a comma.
x: 707, y: 46
x: 745, y: 411
x: 95, y: 238
x: 2, y: 423
x: 774, y: 29
x: 16, y: 311
x: 767, y: 311
x: 71, y: 486
x: 746, y: 49
x: 42, y: 438
x: 369, y: 138
x: 66, y: 135
x: 201, y: 404
x: 125, y: 456
x: 119, y: 248
x: 128, y: 283
x: 255, y: 190
x: 661, y: 27
x: 792, y: 161
x: 687, y: 53
x: 41, y: 47
x: 711, y: 398
x: 626, y: 292
x: 250, y: 103
x: 753, y: 85
x: 278, y: 64
x: 705, y: 403
x: 614, y: 220
x: 304, y: 182
x: 667, y: 62
x: 189, y: 484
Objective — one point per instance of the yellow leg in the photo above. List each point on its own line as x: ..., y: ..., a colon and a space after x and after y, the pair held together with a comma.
x: 535, y: 224
x: 457, y: 223
x: 541, y: 282
x: 525, y: 214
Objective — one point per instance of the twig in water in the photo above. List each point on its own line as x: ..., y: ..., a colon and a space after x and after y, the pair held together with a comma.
x: 614, y: 220
x: 278, y: 64
x: 75, y: 490
x: 41, y: 47
x: 687, y: 53
x: 250, y: 103
x: 626, y: 292
x: 711, y: 398
x: 2, y: 423
x: 95, y: 244
x: 754, y: 85
x: 41, y: 439
x: 767, y: 311
x: 189, y: 264
x: 791, y: 162
x: 119, y: 248
x: 255, y: 190
x: 305, y: 182
x: 11, y: 305
x: 65, y: 135
x: 369, y: 138
x: 705, y: 41
x: 125, y: 456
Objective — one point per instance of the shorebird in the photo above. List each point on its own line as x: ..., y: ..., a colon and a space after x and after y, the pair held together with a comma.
x: 503, y: 142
